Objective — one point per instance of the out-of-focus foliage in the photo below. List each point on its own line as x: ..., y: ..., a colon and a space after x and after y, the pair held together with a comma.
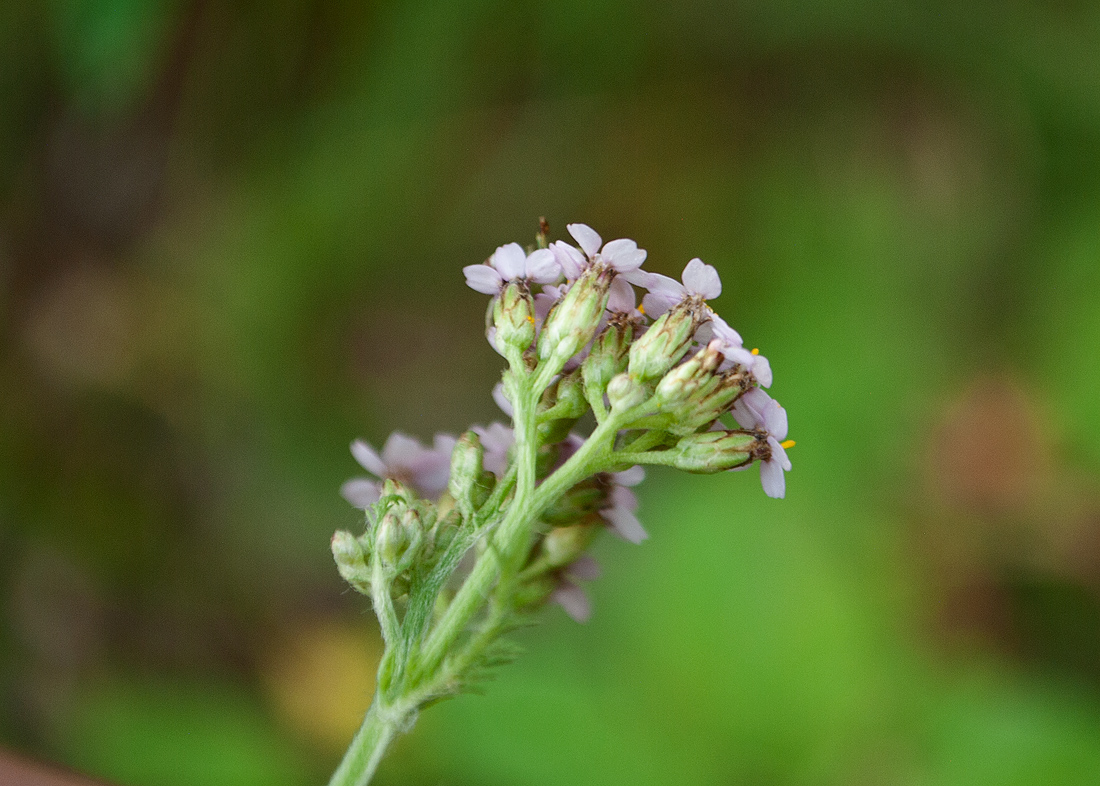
x: 231, y: 239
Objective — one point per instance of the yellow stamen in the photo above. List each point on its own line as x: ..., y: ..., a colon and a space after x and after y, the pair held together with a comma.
x: 755, y: 351
x: 531, y: 319
x: 790, y: 443
x: 641, y: 310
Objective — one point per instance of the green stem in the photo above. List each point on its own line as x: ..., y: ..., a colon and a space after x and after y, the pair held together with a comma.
x: 473, y: 592
x: 380, y: 726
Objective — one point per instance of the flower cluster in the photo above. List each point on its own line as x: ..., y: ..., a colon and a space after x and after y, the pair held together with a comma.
x: 466, y: 538
x: 671, y: 380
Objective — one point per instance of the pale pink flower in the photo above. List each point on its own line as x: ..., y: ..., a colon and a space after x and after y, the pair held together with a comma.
x: 621, y: 506
x: 425, y: 470
x: 757, y: 410
x: 511, y: 263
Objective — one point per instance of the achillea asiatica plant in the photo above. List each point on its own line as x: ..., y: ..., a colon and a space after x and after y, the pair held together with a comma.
x: 468, y: 538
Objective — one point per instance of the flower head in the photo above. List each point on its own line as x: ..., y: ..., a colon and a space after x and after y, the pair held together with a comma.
x: 403, y: 459
x: 756, y: 410
x: 700, y: 281
x: 510, y: 263
x: 734, y: 350
x: 621, y: 255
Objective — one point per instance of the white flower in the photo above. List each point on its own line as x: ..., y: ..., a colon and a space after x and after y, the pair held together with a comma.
x: 621, y: 255
x: 734, y: 351
x: 700, y: 280
x: 510, y: 263
x: 404, y: 459
x: 756, y: 410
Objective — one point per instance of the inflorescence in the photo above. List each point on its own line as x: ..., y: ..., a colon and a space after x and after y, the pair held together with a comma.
x: 468, y: 537
x: 671, y: 374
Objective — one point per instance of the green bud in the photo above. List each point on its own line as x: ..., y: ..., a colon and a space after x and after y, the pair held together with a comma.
x: 534, y: 592
x: 565, y: 398
x: 667, y: 340
x: 625, y: 391
x: 687, y: 379
x: 514, y: 317
x: 351, y: 560
x: 466, y: 470
x: 582, y: 500
x: 392, y: 539
x: 573, y: 321
x: 708, y: 403
x: 562, y: 545
x: 714, y: 451
x: 608, y: 356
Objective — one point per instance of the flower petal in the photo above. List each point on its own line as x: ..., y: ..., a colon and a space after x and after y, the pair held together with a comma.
x: 501, y: 398
x: 401, y: 451
x: 772, y: 479
x: 572, y: 598
x: 483, y: 279
x: 368, y: 458
x: 542, y: 267
x: 722, y: 330
x: 622, y: 298
x: 775, y: 420
x: 702, y: 279
x: 571, y: 260
x: 625, y: 524
x: 586, y: 238
x: 630, y: 477
x: 623, y: 255
x: 656, y: 304
x: 762, y: 371
x: 360, y: 492
x: 509, y: 260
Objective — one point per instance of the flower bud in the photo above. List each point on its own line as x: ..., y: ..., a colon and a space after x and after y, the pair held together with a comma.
x: 666, y: 341
x: 400, y: 539
x: 708, y: 403
x: 563, y: 545
x: 466, y: 471
x: 514, y: 317
x: 685, y: 380
x: 582, y: 500
x: 714, y: 451
x: 351, y: 560
x: 573, y: 321
x: 565, y: 398
x: 625, y: 391
x: 391, y: 539
x: 608, y: 356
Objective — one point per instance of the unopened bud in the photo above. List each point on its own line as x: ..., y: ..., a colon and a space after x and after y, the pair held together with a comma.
x: 714, y: 451
x: 351, y: 560
x: 565, y: 398
x: 667, y: 340
x: 466, y: 471
x: 624, y: 392
x: 685, y: 380
x: 563, y: 545
x: 580, y: 501
x: 608, y: 356
x: 573, y: 321
x: 708, y: 403
x: 514, y: 317
x: 390, y: 539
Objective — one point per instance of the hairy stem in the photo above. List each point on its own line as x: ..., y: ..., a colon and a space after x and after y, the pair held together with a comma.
x: 380, y: 726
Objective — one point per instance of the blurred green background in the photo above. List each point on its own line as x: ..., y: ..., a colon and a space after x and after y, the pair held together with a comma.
x: 231, y: 240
